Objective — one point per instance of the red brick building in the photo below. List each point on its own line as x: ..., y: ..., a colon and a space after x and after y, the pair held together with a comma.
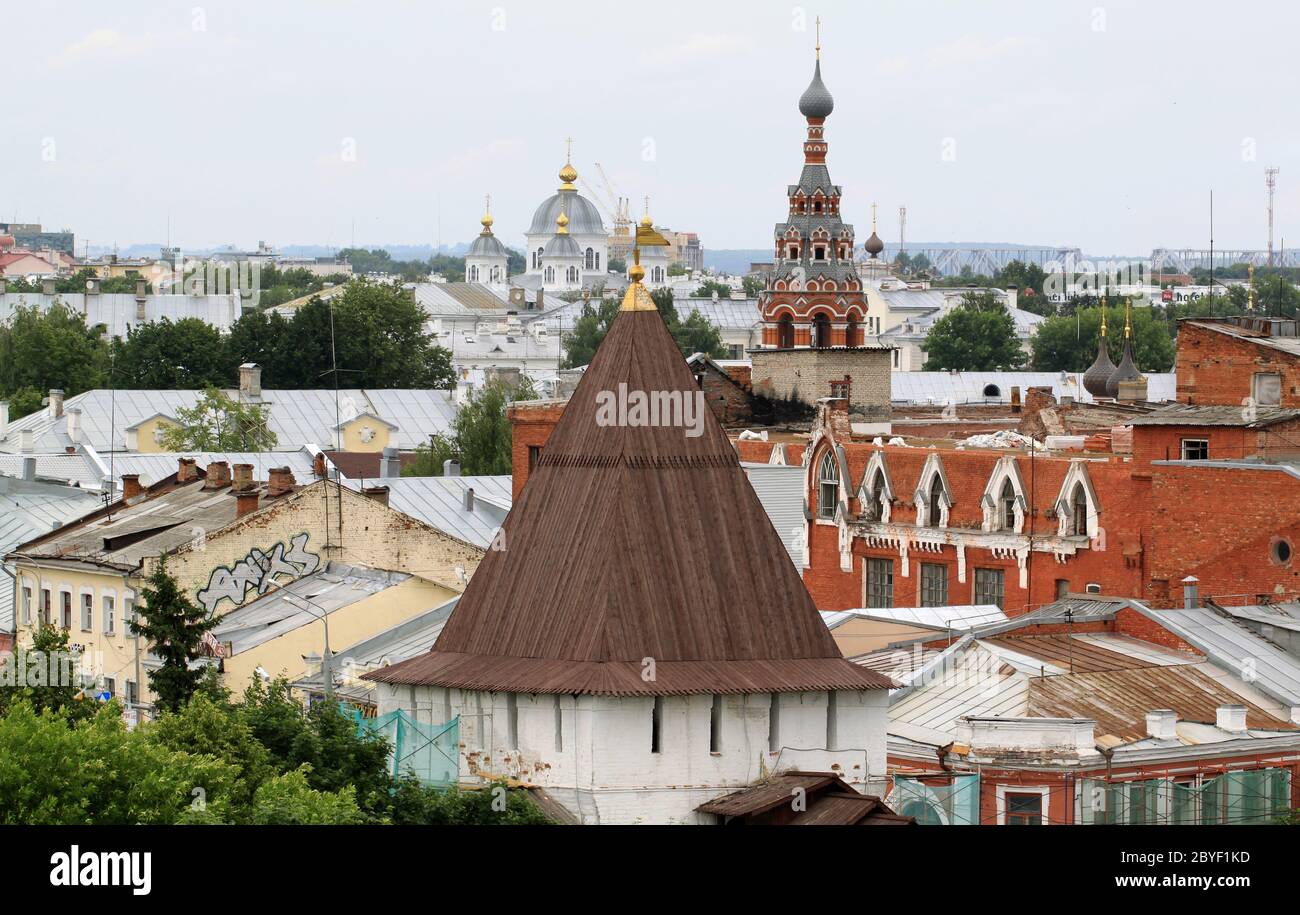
x: 912, y: 526
x: 813, y: 296
x: 1239, y: 361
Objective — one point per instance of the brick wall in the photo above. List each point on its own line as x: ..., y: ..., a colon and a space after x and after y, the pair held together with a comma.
x: 1215, y: 367
x: 806, y: 375
x: 729, y: 400
x: 531, y: 423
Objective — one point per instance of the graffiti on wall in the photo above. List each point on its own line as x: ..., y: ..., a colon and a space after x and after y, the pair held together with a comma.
x: 258, y: 571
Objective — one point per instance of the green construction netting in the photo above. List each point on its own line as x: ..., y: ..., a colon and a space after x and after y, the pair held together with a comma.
x: 427, y: 751
x: 1257, y: 796
x: 945, y: 801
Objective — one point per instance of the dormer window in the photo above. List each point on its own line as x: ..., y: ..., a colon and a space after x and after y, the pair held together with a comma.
x: 817, y: 206
x: 828, y: 485
x: 935, y: 505
x: 1007, y: 506
x: 819, y: 253
x: 871, y: 504
x: 1079, y: 505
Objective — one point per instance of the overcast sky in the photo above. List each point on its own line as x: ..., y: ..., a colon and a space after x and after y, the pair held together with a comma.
x: 1097, y: 124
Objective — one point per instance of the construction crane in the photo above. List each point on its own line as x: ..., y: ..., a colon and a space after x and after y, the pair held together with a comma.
x: 1270, y: 181
x: 622, y: 219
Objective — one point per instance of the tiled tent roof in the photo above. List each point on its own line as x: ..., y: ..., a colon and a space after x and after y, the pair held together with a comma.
x: 636, y: 542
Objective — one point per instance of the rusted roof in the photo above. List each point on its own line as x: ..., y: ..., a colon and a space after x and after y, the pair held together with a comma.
x: 827, y: 800
x: 637, y: 561
x: 1118, y: 700
x: 1072, y: 653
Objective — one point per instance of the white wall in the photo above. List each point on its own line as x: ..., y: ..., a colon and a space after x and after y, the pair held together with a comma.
x: 605, y: 771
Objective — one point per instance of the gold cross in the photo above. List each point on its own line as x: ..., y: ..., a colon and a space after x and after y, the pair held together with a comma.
x: 819, y: 37
x: 568, y: 148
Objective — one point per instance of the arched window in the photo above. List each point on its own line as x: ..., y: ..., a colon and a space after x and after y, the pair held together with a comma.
x: 589, y: 263
x: 1007, y: 506
x: 473, y: 274
x: 573, y: 274
x: 828, y: 486
x: 496, y: 274
x: 936, y: 501
x: 821, y: 331
x: 550, y: 275
x: 537, y: 258
x: 1079, y: 510
x: 785, y: 333
x: 871, y: 507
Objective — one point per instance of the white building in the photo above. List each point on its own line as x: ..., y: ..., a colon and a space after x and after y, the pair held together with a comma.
x: 650, y: 646
x: 487, y: 260
x: 584, y: 227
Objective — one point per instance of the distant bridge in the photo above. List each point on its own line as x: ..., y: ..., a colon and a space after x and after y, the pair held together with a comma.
x: 986, y: 261
x: 1184, y: 260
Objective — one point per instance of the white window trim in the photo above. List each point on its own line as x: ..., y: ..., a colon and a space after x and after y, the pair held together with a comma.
x: 1182, y: 448
x: 1078, y: 473
x: 876, y: 465
x: 1001, y: 800
x: 991, y: 502
x: 921, y: 497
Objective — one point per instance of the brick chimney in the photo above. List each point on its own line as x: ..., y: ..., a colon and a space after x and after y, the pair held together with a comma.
x: 243, y: 476
x: 187, y: 470
x: 217, y: 475
x: 377, y: 493
x: 56, y: 403
x: 141, y: 297
x: 279, y: 481
x: 246, y: 500
x: 48, y: 288
x: 250, y: 379
x: 318, y: 465
x: 131, y: 487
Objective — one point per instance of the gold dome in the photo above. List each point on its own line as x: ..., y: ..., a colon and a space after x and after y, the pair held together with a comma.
x: 561, y: 224
x: 636, y: 273
x: 486, y: 221
x: 647, y: 222
x: 568, y: 174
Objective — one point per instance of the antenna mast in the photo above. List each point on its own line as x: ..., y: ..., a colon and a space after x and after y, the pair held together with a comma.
x: 1270, y: 181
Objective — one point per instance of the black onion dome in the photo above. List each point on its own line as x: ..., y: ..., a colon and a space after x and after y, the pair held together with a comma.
x: 873, y: 244
x: 1098, y: 375
x: 816, y: 101
x: 1127, y: 370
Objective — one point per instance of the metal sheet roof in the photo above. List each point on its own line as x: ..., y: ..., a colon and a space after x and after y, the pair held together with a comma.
x: 297, y: 417
x: 440, y: 503
x: 117, y: 312
x: 965, y: 616
x: 969, y: 387
x: 780, y: 490
x: 27, y: 514
x: 154, y: 467
x: 301, y: 602
x: 1231, y: 645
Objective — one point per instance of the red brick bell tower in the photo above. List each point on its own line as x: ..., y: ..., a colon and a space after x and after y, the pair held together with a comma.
x: 813, y: 296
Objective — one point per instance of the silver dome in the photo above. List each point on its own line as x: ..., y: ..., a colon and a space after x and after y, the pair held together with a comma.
x: 486, y: 246
x: 562, y: 246
x: 584, y: 218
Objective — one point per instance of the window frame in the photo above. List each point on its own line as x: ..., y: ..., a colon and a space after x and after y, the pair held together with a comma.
x: 980, y: 588
x: 826, y: 508
x: 926, y: 587
x: 1184, y: 451
x: 877, y: 582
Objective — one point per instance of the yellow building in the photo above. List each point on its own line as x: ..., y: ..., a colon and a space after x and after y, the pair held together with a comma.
x: 227, y: 542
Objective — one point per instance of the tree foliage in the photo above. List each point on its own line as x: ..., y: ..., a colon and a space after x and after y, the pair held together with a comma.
x: 480, y: 437
x: 218, y: 422
x: 40, y: 350
x: 695, y: 334
x: 1069, y: 343
x: 979, y: 335
x: 174, y: 627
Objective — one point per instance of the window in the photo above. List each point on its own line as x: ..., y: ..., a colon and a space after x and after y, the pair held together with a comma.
x: 1007, y: 505
x: 1062, y: 587
x: 852, y: 334
x: 840, y: 389
x: 880, y: 583
x: 473, y: 274
x: 27, y: 604
x: 534, y: 453
x: 66, y: 598
x: 549, y: 275
x: 821, y: 331
x: 1079, y: 509
x: 832, y: 720
x: 990, y: 585
x: 992, y: 390
x: 828, y: 477
x: 656, y: 724
x: 715, y: 725
x: 128, y: 611
x: 785, y: 333
x: 935, y: 510
x: 1196, y: 449
x: 597, y: 260
x: 512, y: 720
x: 110, y: 617
x: 537, y: 258
x: 589, y: 260
x: 573, y: 274
x: 559, y: 725
x: 87, y: 611
x: 871, y: 502
x: 819, y: 253
x: 46, y: 607
x: 110, y: 687
x: 895, y: 358
x: 132, y: 694
x: 1281, y: 552
x: 774, y: 724
x: 1024, y: 809
x: 934, y: 584
x: 1266, y: 388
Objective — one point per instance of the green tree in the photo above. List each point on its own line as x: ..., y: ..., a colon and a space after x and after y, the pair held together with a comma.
x: 754, y: 285
x: 217, y: 422
x: 480, y: 436
x: 589, y: 331
x: 707, y: 289
x: 174, y: 627
x: 976, y: 336
x: 1069, y: 343
x: 40, y: 350
x: 45, y: 675
x: 184, y: 355
x: 288, y: 800
x: 494, y: 805
x: 380, y: 339
x: 696, y: 334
